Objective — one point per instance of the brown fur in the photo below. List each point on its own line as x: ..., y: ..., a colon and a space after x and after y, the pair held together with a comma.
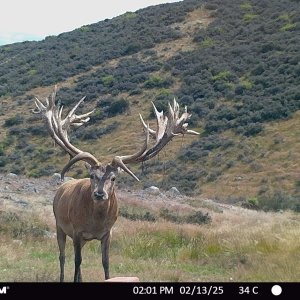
x: 83, y: 219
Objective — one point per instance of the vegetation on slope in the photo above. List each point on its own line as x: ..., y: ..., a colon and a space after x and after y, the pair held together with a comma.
x: 32, y: 64
x: 234, y: 63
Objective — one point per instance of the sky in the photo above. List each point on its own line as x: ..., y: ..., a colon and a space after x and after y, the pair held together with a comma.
x: 22, y: 20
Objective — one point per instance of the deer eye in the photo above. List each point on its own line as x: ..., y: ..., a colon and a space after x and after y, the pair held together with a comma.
x: 113, y: 178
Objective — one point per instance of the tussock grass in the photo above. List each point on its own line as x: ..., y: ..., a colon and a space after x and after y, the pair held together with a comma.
x: 238, y: 245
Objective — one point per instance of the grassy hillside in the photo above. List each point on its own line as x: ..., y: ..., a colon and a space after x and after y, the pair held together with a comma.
x: 151, y: 240
x: 234, y: 63
x: 237, y: 251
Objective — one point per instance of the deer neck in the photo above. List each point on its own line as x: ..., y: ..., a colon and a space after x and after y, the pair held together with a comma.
x: 107, y: 209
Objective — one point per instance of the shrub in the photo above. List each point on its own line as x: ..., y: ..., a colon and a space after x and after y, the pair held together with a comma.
x: 118, y: 107
x: 142, y: 216
x: 19, y: 225
x: 193, y: 218
x: 15, y: 120
x: 169, y: 216
x: 250, y: 129
x: 211, y: 6
x: 37, y: 130
x: 251, y: 203
x: 197, y: 217
x: 278, y: 200
x: 3, y: 161
x: 108, y: 80
x: 155, y: 81
x: 110, y: 107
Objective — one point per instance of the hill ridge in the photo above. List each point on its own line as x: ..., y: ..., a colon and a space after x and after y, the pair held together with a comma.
x: 225, y: 60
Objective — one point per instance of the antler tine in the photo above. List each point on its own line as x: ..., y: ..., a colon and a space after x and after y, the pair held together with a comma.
x: 48, y: 111
x: 73, y: 119
x: 192, y: 132
x: 52, y: 99
x: 167, y: 128
x: 162, y: 122
x: 120, y: 161
x: 72, y: 111
x: 58, y: 127
x: 40, y: 106
x: 151, y: 132
x: 63, y: 134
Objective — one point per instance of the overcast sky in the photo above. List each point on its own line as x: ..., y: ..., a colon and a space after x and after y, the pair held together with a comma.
x: 22, y: 20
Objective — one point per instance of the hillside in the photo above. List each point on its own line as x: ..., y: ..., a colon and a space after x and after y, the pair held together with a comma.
x: 235, y: 64
x: 221, y: 243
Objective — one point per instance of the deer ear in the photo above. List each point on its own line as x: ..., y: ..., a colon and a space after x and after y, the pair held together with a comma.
x: 88, y: 166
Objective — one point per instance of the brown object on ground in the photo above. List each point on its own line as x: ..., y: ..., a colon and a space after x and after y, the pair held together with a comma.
x: 123, y: 279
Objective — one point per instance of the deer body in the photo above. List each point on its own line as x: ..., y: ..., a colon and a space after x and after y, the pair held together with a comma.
x: 86, y: 209
x: 75, y: 210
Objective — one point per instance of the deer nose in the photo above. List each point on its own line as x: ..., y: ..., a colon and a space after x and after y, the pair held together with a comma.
x: 98, y: 195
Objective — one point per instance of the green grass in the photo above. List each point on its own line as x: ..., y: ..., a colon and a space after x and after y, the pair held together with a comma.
x: 249, y: 17
x: 242, y: 245
x: 223, y: 75
x: 288, y: 27
x: 208, y: 42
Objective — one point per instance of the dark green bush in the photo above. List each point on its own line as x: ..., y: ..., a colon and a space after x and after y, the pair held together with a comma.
x: 197, y: 217
x: 193, y: 218
x: 157, y: 82
x: 117, y: 107
x: 15, y: 120
x: 142, y: 216
x: 278, y: 200
x: 3, y: 161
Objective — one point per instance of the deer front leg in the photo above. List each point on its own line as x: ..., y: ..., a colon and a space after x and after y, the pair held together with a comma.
x: 77, y: 251
x: 105, y: 243
x: 61, y: 240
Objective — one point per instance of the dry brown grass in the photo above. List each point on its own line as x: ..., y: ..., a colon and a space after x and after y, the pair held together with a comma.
x: 239, y: 245
x: 276, y: 152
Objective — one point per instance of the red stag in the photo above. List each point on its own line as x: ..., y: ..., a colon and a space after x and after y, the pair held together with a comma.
x: 86, y: 209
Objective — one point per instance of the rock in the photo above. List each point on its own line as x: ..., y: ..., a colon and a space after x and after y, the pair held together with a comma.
x: 173, y: 191
x: 55, y: 178
x: 153, y: 190
x: 12, y: 175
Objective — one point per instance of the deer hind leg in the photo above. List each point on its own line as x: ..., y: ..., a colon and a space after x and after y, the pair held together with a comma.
x: 105, y: 243
x: 78, y: 244
x: 61, y: 240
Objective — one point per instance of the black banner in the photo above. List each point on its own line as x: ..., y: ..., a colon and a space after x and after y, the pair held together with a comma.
x: 242, y: 290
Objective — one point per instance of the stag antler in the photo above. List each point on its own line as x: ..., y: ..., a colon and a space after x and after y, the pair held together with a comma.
x: 167, y: 128
x: 58, y: 128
